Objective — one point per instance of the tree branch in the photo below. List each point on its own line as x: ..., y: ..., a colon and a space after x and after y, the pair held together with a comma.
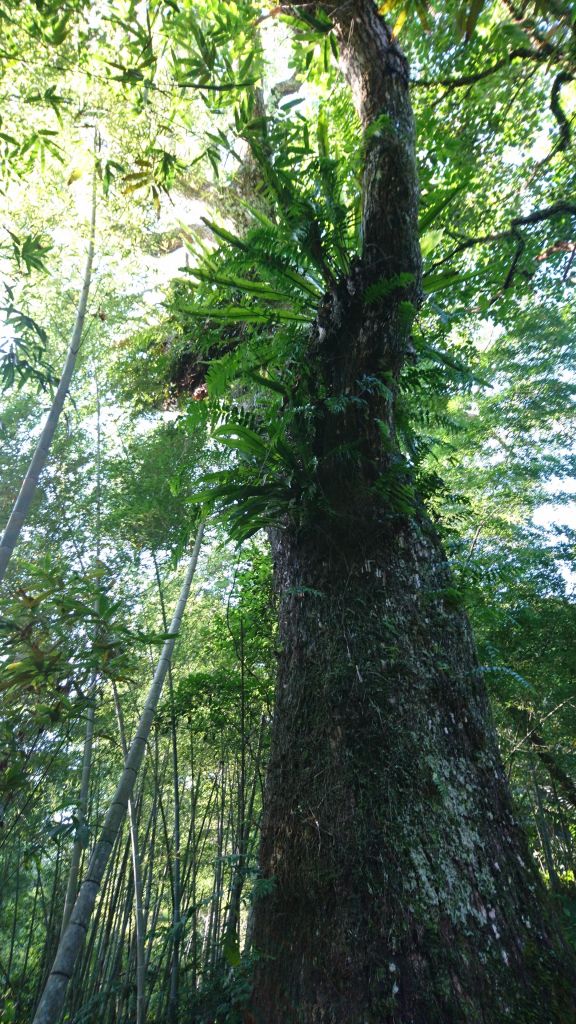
x: 556, y: 210
x: 521, y: 53
x: 562, y: 79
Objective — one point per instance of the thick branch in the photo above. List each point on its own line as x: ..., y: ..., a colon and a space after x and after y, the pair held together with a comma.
x: 521, y: 53
x: 549, y: 212
x: 557, y: 209
x: 555, y: 106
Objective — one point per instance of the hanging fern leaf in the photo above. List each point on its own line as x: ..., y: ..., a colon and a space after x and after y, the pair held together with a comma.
x: 242, y: 284
x: 255, y: 296
x: 245, y: 314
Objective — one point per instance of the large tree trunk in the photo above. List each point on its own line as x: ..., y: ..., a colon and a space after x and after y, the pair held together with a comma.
x: 404, y: 892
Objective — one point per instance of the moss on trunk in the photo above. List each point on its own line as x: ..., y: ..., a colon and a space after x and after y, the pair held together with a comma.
x: 404, y: 889
x: 405, y: 892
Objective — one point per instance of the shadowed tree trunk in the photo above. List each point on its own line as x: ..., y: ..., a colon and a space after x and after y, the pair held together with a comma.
x: 404, y: 891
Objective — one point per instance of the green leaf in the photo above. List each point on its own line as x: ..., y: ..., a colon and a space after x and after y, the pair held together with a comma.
x: 431, y: 240
x: 245, y: 314
x: 268, y: 382
x: 231, y: 952
x: 387, y: 285
x: 446, y: 279
x: 242, y: 439
x: 251, y: 287
x: 434, y: 211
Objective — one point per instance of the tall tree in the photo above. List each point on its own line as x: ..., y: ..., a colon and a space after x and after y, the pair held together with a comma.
x: 403, y: 889
x: 398, y: 886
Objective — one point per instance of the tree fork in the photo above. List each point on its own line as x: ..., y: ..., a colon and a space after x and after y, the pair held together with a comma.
x: 404, y: 892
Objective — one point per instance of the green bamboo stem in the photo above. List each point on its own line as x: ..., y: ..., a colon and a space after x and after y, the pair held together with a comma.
x: 52, y: 1002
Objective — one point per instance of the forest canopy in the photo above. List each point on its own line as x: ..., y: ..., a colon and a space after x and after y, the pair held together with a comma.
x: 287, y: 325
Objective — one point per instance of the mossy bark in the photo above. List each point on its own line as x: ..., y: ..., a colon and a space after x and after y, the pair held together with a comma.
x: 404, y: 891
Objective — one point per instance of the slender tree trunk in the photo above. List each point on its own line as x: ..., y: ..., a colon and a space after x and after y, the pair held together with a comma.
x: 176, y: 904
x: 52, y: 1001
x: 253, y: 830
x: 190, y: 873
x: 244, y: 815
x: 211, y: 951
x: 82, y: 809
x: 404, y: 892
x: 92, y: 986
x: 150, y: 869
x: 31, y: 930
x: 176, y: 862
x: 545, y: 754
x: 25, y: 986
x: 39, y: 459
x: 52, y: 928
x: 543, y: 832
x: 15, y: 912
x: 137, y: 880
x: 116, y: 984
x: 80, y: 840
x: 89, y: 971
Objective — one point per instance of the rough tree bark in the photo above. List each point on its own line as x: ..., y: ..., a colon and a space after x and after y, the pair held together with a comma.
x: 404, y: 891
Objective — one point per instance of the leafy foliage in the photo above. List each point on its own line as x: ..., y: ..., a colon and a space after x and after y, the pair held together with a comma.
x: 207, y: 401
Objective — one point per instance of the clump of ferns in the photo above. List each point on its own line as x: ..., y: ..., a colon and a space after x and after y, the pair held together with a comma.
x: 254, y: 300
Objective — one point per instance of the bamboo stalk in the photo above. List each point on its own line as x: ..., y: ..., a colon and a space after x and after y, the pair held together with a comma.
x: 176, y: 855
x: 39, y: 459
x: 52, y: 1001
x: 137, y: 875
x: 79, y: 844
x: 79, y: 840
